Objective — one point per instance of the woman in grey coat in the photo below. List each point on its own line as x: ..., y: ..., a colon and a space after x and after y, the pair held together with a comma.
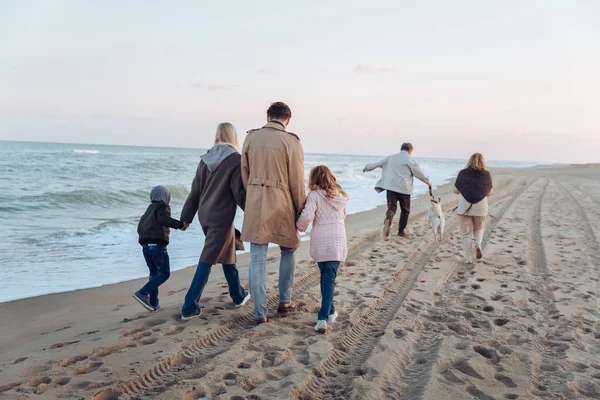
x: 217, y: 191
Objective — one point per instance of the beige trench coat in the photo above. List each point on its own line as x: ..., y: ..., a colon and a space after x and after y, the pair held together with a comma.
x: 273, y: 175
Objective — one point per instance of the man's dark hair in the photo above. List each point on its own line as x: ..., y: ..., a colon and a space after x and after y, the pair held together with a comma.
x: 406, y: 147
x: 280, y: 111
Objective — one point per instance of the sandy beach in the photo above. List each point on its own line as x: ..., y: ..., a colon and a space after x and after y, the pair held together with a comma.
x: 415, y: 323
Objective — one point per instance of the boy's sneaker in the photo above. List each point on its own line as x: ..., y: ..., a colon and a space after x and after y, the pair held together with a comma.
x: 332, y: 317
x: 144, y: 300
x: 246, y: 300
x: 157, y: 308
x: 194, y: 315
x: 321, y: 326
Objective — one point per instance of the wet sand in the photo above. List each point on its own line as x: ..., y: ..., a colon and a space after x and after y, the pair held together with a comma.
x: 415, y: 323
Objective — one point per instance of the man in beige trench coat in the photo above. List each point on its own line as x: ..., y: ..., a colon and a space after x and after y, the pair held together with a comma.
x: 273, y: 175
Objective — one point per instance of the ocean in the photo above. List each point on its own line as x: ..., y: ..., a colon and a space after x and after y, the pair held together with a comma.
x: 70, y: 212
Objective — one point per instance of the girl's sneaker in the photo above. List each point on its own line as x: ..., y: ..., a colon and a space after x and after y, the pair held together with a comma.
x: 246, y: 299
x: 332, y: 317
x: 321, y: 326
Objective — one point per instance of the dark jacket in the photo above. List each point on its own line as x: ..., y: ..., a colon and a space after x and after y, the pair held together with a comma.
x: 154, y: 225
x: 217, y: 190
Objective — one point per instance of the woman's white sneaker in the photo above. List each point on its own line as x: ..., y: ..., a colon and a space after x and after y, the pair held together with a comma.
x: 321, y: 326
x: 246, y: 300
x: 332, y: 317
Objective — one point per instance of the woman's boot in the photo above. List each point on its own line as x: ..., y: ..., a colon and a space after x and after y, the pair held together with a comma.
x: 478, y: 239
x: 468, y: 247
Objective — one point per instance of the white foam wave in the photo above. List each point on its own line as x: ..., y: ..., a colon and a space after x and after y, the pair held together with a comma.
x: 86, y: 151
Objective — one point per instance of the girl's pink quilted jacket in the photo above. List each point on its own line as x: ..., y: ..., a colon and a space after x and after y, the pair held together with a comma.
x: 328, y: 235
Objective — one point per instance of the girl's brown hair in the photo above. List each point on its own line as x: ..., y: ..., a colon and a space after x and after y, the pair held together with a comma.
x: 322, y: 178
x: 476, y: 161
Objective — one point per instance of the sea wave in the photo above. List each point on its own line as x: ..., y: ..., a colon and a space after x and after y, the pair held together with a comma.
x: 90, y: 197
x: 84, y: 151
x: 179, y: 192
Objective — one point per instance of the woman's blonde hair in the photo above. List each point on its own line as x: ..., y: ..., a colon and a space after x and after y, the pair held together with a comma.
x: 226, y: 133
x: 321, y: 177
x: 476, y: 161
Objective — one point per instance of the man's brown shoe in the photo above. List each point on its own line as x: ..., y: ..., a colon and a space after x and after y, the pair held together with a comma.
x: 262, y: 320
x: 286, y: 307
x: 402, y: 234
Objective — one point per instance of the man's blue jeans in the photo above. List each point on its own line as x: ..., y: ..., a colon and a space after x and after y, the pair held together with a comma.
x: 328, y: 274
x: 236, y: 291
x: 157, y: 259
x: 258, y: 276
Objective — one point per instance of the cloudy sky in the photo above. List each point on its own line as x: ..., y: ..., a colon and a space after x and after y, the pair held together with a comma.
x: 516, y: 80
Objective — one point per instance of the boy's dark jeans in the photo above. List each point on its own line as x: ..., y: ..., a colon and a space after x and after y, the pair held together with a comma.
x: 236, y: 290
x: 328, y: 274
x: 157, y: 260
x: 393, y: 199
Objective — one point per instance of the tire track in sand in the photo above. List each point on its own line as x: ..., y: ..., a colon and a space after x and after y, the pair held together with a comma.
x: 548, y: 379
x: 333, y: 377
x: 593, y: 244
x: 197, y: 353
x: 409, y: 368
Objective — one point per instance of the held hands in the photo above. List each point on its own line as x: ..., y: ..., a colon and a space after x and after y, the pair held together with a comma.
x: 185, y: 226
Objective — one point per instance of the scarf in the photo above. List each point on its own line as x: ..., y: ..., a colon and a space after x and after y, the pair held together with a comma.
x: 474, y: 184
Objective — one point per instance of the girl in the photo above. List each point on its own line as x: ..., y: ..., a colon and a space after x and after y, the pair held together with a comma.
x: 473, y: 184
x: 217, y: 191
x: 326, y: 208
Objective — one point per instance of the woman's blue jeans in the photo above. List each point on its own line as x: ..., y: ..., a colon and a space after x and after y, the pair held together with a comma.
x: 236, y: 291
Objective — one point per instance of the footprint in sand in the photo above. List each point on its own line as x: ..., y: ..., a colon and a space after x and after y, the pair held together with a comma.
x: 63, y: 344
x: 61, y: 380
x: 147, y: 325
x: 34, y: 370
x: 108, y: 394
x: 91, y: 366
x: 488, y: 353
x: 35, y: 382
x: 505, y: 380
x: 149, y: 340
x: 174, y: 330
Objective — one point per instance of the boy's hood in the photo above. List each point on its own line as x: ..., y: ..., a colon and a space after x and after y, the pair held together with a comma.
x: 215, y: 156
x: 338, y: 202
x: 160, y: 194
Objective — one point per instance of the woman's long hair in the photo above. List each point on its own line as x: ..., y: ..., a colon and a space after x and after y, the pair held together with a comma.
x: 476, y: 161
x: 322, y: 178
x: 226, y: 133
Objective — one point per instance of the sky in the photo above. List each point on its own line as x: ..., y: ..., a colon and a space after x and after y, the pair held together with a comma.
x: 515, y: 80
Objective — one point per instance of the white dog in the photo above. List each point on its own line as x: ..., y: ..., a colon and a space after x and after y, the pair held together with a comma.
x: 436, y: 219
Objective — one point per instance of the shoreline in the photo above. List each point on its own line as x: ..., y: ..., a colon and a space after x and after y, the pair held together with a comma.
x: 304, y: 238
x: 241, y: 255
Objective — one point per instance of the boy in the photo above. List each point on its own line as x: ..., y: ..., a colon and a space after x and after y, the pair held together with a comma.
x: 153, y: 230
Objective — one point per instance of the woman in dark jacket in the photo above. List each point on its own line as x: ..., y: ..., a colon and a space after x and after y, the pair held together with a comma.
x: 216, y: 192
